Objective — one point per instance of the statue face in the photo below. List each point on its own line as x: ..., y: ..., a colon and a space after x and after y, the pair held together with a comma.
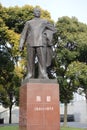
x: 37, y: 12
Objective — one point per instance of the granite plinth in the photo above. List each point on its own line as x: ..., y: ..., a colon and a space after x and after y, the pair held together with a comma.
x: 39, y: 106
x: 48, y: 81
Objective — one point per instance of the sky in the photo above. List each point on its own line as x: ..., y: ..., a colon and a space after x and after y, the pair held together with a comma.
x: 57, y: 8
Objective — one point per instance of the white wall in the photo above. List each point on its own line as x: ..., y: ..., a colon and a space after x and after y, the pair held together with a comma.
x: 4, y: 113
x: 78, y: 107
x: 80, y: 111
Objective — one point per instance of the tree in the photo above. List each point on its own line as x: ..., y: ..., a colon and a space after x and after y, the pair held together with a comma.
x: 15, y: 17
x: 63, y: 59
x: 77, y: 71
x: 9, y: 81
x: 12, y: 62
x: 71, y: 36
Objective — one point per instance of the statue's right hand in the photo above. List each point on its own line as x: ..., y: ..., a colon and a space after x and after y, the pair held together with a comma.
x: 21, y: 44
x: 20, y: 48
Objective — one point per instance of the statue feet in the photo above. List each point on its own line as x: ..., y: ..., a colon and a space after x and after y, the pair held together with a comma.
x: 45, y: 76
x: 29, y: 76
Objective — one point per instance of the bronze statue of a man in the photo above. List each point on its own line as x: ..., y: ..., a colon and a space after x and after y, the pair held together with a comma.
x: 37, y: 34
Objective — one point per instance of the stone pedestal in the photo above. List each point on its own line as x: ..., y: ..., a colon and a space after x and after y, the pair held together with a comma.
x: 39, y: 105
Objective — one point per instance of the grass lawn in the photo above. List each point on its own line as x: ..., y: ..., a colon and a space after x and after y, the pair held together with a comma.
x: 9, y: 128
x: 70, y: 128
x: 16, y: 128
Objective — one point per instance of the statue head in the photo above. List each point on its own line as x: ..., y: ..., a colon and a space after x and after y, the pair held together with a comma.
x: 37, y: 12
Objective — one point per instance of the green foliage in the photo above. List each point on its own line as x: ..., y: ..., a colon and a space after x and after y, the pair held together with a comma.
x: 71, y: 46
x: 63, y: 59
x: 9, y: 81
x: 12, y: 21
x: 70, y: 30
x: 77, y: 71
x: 17, y: 16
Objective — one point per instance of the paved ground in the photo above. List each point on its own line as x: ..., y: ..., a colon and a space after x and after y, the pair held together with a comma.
x: 77, y: 124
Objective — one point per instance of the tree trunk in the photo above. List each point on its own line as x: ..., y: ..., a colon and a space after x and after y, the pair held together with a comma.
x: 86, y: 96
x: 65, y: 115
x: 10, y: 114
x: 86, y: 102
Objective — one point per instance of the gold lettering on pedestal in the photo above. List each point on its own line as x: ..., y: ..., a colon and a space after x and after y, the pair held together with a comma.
x: 39, y: 108
x: 48, y: 98
x: 43, y: 108
x: 38, y: 98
